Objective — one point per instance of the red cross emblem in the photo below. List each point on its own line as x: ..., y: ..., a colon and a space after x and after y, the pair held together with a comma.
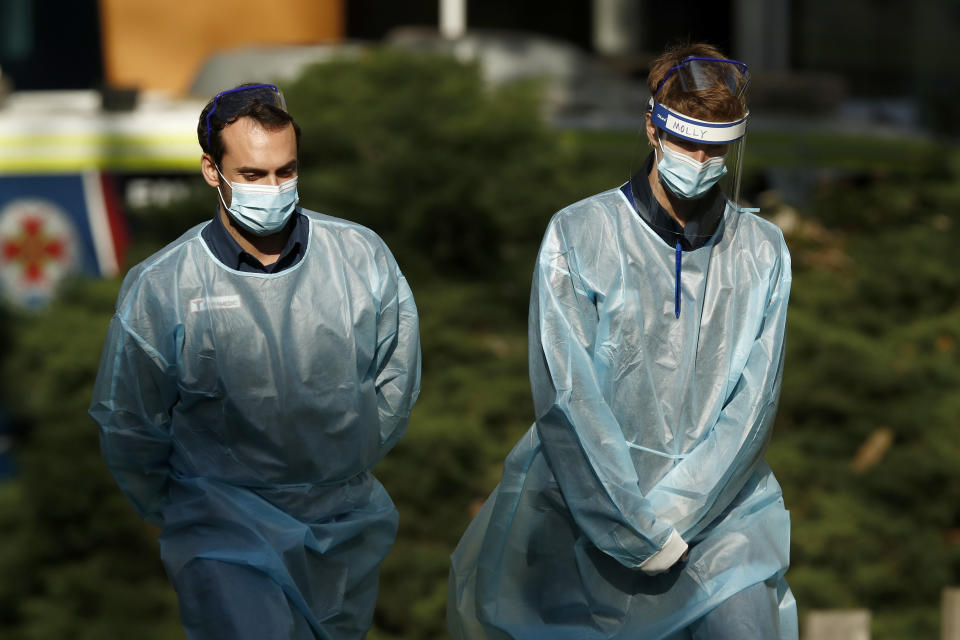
x: 37, y: 249
x: 33, y: 248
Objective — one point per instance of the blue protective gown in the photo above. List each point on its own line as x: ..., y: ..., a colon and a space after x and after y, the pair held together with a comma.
x: 243, y: 412
x: 646, y: 424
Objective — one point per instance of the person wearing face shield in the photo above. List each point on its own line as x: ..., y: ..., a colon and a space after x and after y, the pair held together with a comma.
x: 254, y: 372
x: 639, y: 504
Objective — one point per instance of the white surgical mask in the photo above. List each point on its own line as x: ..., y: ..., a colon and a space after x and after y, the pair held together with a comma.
x: 261, y: 209
x: 687, y: 178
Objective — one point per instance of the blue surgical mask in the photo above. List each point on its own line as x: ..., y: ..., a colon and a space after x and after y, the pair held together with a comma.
x: 261, y: 209
x: 687, y: 178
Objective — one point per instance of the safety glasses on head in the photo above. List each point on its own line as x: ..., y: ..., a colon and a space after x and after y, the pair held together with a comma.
x: 227, y: 104
x: 698, y: 74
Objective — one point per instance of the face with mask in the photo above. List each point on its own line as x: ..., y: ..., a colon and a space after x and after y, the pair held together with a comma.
x: 261, y: 209
x: 688, y: 170
x: 257, y: 177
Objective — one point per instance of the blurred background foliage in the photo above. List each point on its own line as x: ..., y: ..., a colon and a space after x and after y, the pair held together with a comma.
x: 461, y: 180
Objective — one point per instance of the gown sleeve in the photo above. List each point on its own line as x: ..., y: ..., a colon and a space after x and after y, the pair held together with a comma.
x: 398, y: 358
x: 582, y: 440
x: 702, y: 485
x: 133, y: 398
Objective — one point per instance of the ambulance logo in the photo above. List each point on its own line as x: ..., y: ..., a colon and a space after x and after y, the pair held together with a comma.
x: 38, y: 248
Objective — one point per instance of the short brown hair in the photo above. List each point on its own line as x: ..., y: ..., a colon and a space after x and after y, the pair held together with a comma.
x: 268, y: 116
x: 715, y: 104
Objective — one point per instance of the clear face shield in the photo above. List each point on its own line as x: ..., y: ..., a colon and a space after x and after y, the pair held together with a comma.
x: 691, y: 155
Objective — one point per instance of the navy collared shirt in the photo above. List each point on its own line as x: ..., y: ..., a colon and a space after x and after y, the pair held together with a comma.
x: 699, y: 229
x: 229, y: 252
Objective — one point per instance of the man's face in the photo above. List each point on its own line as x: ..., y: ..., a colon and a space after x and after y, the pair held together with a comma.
x: 253, y: 154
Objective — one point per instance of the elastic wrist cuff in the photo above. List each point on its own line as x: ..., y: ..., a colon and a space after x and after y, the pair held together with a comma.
x: 666, y: 557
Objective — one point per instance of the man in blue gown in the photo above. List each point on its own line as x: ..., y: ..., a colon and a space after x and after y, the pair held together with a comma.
x: 254, y: 372
x: 639, y: 504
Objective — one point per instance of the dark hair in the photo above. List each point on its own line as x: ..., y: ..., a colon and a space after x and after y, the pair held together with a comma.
x: 715, y: 104
x: 270, y: 117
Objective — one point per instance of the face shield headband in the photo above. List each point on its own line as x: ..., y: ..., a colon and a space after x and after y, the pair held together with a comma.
x: 695, y: 130
x: 227, y: 104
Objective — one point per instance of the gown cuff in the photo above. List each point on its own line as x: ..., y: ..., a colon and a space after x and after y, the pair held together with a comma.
x: 667, y: 556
